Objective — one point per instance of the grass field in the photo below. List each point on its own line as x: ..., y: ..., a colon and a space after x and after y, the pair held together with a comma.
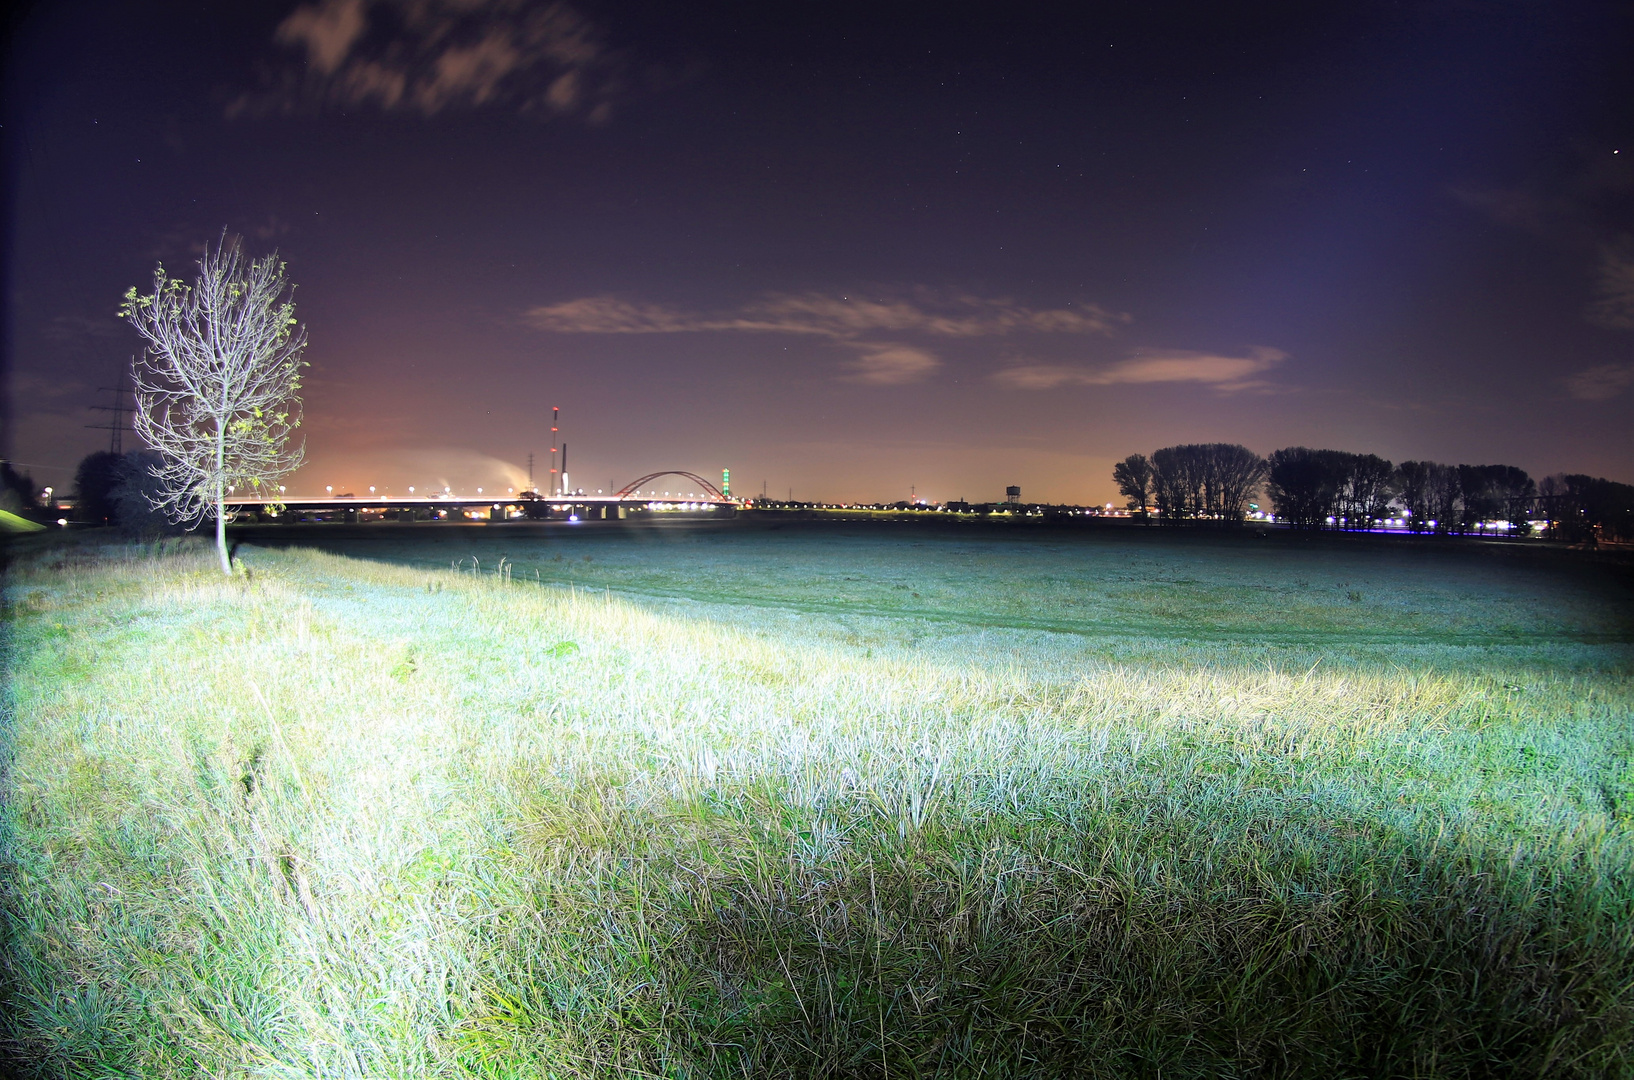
x: 833, y: 802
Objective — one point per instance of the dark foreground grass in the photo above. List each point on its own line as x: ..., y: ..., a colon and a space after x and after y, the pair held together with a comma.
x: 1168, y: 930
x: 336, y: 819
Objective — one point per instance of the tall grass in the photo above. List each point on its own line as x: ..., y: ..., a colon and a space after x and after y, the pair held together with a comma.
x: 333, y: 818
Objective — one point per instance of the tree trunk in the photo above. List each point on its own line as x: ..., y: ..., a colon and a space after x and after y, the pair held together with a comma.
x: 221, y: 490
x: 221, y: 529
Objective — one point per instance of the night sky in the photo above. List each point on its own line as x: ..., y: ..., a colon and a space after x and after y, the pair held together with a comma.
x: 849, y: 250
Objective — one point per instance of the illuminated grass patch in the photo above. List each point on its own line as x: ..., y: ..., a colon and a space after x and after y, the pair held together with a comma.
x: 339, y: 818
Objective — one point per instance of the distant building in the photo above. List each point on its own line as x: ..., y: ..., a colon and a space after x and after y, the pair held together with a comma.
x: 1012, y: 494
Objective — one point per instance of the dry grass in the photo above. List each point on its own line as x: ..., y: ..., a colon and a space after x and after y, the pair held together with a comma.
x: 334, y: 818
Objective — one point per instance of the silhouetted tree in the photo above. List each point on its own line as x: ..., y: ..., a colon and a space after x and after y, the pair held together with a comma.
x: 18, y: 491
x: 1443, y: 498
x: 1233, y: 476
x: 1510, y: 484
x: 1365, y: 493
x: 1412, y: 492
x: 1133, y: 475
x: 1433, y: 495
x: 137, y: 495
x: 94, y: 481
x: 1177, y: 482
x: 1489, y: 491
x: 1590, y: 508
x: 1205, y: 480
x: 216, y: 385
x: 1305, y: 485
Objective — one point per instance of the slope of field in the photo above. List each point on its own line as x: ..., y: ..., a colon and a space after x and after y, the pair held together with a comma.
x: 759, y: 809
x: 1287, y: 588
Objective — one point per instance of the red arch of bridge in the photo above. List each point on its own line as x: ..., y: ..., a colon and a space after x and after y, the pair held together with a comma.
x: 635, y: 485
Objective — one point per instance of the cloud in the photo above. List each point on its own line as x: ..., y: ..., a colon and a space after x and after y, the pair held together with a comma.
x: 838, y: 317
x: 1575, y: 211
x: 1227, y: 373
x: 1601, y: 383
x: 891, y: 365
x: 610, y: 315
x: 1613, y: 305
x: 328, y: 32
x: 429, y: 56
x: 852, y: 322
x: 956, y: 317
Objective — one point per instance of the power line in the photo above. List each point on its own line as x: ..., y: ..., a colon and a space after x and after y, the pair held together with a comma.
x: 116, y: 427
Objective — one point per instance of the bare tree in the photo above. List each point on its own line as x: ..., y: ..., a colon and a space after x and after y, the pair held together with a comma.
x: 1365, y: 494
x: 1235, y: 474
x: 1490, y: 490
x: 1177, y: 482
x: 1133, y: 475
x: 1413, y: 492
x: 1305, y: 484
x: 1205, y: 480
x: 216, y: 385
x: 1444, y: 498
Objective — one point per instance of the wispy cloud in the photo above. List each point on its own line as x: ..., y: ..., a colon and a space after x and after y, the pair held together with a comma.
x: 954, y: 317
x: 1226, y: 373
x: 327, y: 30
x: 1576, y: 211
x: 851, y: 322
x: 1613, y: 304
x: 1601, y: 383
x: 891, y: 365
x: 428, y: 56
x: 839, y: 317
x: 610, y: 315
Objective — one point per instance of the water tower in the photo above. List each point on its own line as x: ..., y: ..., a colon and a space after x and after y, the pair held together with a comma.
x: 1012, y: 494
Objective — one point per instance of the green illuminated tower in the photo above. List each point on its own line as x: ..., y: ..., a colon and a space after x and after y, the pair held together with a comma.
x: 726, y: 482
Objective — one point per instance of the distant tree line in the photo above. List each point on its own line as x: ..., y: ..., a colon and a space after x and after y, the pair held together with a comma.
x: 119, y: 490
x: 17, y: 490
x: 1580, y: 507
x: 1197, y: 481
x: 1333, y: 489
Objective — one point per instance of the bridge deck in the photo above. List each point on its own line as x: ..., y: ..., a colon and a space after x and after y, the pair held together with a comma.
x: 403, y: 502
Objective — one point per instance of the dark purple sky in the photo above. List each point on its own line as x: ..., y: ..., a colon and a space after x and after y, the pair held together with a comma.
x: 846, y: 249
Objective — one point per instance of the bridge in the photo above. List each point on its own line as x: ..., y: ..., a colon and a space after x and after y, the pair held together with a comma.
x: 635, y: 500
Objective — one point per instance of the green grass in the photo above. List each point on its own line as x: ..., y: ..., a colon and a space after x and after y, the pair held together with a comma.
x: 741, y: 816
x: 1138, y: 584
